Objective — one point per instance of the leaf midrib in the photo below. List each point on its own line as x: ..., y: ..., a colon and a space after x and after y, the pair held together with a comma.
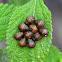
x: 34, y: 8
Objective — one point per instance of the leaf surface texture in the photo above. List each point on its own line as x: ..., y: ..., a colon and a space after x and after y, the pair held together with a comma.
x: 54, y: 55
x: 5, y: 13
x: 37, y: 9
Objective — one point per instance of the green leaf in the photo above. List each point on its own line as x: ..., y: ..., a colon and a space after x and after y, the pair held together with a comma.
x: 60, y: 59
x: 54, y: 55
x: 3, y: 56
x: 37, y: 9
x: 18, y: 2
x: 5, y: 14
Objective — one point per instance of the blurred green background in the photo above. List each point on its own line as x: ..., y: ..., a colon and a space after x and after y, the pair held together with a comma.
x: 55, y: 6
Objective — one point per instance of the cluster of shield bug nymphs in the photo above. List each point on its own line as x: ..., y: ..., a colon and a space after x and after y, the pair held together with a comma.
x: 30, y: 31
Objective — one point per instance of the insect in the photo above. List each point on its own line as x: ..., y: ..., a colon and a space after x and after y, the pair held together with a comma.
x: 28, y: 34
x: 30, y: 20
x: 22, y: 42
x: 37, y: 36
x: 44, y: 32
x: 18, y: 35
x: 39, y: 23
x: 31, y: 43
x: 32, y: 30
x: 23, y: 27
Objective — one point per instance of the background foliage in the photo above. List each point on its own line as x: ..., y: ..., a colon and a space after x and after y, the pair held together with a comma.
x: 18, y: 2
x: 6, y: 12
x: 3, y: 56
